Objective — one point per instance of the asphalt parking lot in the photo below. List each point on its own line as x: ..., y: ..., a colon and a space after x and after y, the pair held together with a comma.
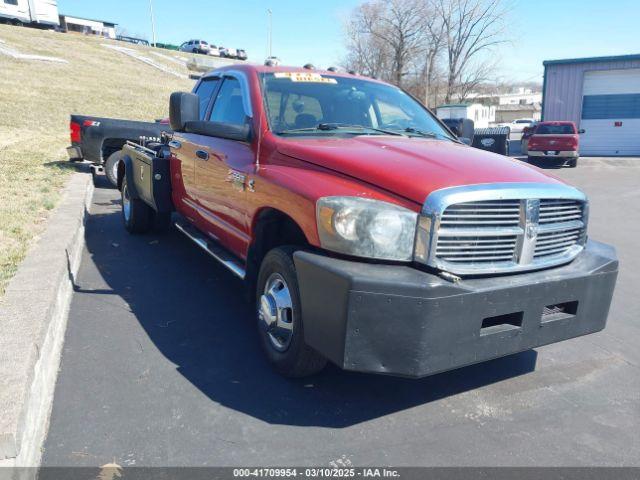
x: 161, y: 366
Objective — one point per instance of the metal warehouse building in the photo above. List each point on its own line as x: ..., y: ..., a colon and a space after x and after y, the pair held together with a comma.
x: 602, y: 96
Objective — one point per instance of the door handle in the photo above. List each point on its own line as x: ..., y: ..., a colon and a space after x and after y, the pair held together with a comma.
x: 202, y: 155
x: 175, y: 144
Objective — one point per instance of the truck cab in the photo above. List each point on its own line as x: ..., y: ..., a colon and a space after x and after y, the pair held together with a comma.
x: 367, y: 234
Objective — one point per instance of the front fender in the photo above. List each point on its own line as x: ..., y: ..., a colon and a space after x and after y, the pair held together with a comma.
x: 294, y: 191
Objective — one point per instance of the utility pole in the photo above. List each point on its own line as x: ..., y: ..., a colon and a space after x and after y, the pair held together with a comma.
x: 269, y: 12
x: 153, y: 26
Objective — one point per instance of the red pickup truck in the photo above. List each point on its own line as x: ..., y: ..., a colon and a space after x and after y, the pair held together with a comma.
x: 367, y: 234
x: 554, y: 141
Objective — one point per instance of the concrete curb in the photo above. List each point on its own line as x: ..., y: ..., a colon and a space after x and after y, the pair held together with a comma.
x: 33, y: 317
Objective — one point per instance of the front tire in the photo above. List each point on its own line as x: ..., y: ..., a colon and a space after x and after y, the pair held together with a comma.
x: 111, y: 167
x: 573, y: 163
x: 136, y: 215
x: 279, y: 316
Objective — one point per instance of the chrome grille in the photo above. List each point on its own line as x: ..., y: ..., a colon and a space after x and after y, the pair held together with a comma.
x: 558, y: 210
x: 498, y: 214
x: 556, y: 242
x: 476, y: 249
x: 501, y: 228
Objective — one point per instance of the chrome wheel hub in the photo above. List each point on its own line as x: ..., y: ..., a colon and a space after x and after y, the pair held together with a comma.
x: 275, y: 312
x: 126, y: 203
x: 114, y: 170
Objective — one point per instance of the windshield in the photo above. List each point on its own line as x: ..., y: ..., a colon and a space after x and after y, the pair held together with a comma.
x: 298, y: 103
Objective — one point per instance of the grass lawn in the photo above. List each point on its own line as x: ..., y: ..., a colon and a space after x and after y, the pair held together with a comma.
x: 36, y: 99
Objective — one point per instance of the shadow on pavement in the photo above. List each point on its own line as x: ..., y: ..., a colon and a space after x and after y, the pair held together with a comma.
x: 197, y: 315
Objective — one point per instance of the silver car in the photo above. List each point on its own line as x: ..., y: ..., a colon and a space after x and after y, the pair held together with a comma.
x: 195, y: 46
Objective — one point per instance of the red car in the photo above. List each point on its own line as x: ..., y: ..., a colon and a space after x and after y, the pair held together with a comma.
x: 366, y: 233
x: 555, y: 141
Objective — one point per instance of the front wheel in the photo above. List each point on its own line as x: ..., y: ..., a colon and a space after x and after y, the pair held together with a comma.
x: 280, y: 317
x: 573, y: 163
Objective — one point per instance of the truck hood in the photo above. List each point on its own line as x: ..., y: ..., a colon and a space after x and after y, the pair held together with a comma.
x: 411, y: 167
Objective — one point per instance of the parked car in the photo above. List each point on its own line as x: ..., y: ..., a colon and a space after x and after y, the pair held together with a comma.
x: 554, y: 141
x: 214, y: 51
x: 99, y: 140
x: 228, y: 52
x: 196, y: 46
x: 241, y: 54
x: 518, y: 125
x: 272, y: 61
x: 368, y: 234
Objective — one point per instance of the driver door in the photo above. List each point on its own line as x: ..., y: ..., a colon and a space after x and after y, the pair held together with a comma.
x: 222, y: 169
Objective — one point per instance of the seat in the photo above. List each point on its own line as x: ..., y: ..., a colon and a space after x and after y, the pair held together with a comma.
x: 305, y: 120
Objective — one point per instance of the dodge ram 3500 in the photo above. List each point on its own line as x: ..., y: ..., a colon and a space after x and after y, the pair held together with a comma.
x: 369, y: 235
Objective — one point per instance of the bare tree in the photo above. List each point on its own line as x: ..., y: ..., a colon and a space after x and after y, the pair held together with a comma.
x: 432, y: 49
x: 473, y: 77
x: 470, y: 27
x: 367, y: 55
x: 394, y: 28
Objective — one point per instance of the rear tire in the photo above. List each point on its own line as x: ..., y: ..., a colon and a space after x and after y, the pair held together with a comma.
x: 111, y: 167
x: 280, y: 317
x: 136, y: 214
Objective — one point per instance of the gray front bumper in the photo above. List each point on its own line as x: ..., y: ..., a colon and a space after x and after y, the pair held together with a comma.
x: 404, y: 321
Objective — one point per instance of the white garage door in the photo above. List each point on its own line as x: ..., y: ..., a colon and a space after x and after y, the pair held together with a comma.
x: 611, y: 113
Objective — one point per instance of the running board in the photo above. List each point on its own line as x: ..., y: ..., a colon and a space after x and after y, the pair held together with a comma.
x: 216, y: 251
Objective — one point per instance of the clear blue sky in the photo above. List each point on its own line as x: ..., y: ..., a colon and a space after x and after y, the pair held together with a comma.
x: 312, y: 30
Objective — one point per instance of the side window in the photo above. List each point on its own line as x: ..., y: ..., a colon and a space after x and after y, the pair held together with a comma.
x: 11, y: 2
x: 205, y: 91
x: 228, y: 107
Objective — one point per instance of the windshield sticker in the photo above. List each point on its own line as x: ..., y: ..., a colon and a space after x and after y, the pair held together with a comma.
x: 305, y: 77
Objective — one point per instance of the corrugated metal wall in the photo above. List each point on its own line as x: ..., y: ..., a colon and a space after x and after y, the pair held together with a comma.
x: 563, y: 87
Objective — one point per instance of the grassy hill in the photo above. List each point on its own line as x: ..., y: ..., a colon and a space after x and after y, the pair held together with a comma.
x: 36, y: 99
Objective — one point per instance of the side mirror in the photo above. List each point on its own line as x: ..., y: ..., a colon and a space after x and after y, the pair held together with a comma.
x: 239, y: 133
x: 183, y: 108
x: 467, y: 129
x: 465, y: 140
x: 581, y: 130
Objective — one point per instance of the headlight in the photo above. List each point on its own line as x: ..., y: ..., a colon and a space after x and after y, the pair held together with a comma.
x: 366, y: 228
